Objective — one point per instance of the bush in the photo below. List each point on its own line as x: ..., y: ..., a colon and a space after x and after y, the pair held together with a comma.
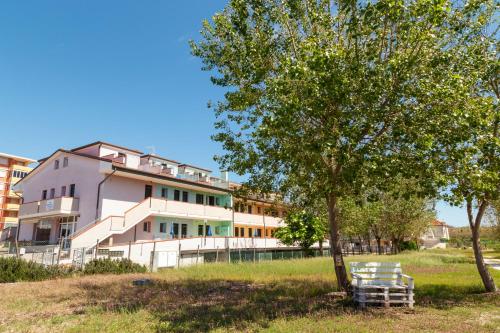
x: 13, y: 270
x: 409, y: 246
x: 110, y: 266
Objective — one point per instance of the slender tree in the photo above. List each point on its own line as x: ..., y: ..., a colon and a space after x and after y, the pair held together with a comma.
x: 320, y: 92
x: 465, y: 151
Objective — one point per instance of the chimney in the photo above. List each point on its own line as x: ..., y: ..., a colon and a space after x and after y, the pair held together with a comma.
x: 224, y: 175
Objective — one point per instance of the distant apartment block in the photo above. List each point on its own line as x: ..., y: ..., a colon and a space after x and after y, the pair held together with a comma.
x: 102, y: 194
x: 12, y: 169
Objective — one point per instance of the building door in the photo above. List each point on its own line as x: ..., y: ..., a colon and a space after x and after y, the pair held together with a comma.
x: 42, y: 232
x: 148, y: 191
x: 184, y: 230
x: 175, y: 230
x: 66, y: 230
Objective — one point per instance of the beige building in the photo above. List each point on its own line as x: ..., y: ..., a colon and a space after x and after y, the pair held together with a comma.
x: 12, y: 169
x: 436, y: 235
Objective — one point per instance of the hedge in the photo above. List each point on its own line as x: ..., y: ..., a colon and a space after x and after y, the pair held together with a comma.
x: 13, y: 269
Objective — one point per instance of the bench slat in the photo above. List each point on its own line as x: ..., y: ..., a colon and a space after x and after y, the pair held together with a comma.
x: 376, y: 270
x: 375, y: 264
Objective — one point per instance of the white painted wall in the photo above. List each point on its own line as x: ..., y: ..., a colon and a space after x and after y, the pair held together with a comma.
x: 81, y: 171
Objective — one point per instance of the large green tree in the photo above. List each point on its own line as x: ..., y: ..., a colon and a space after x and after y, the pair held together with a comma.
x: 319, y: 92
x: 465, y: 151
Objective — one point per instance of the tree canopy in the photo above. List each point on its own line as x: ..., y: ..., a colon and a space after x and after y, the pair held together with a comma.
x: 324, y: 95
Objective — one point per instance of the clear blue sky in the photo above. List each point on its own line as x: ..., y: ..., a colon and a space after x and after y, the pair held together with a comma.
x: 73, y: 72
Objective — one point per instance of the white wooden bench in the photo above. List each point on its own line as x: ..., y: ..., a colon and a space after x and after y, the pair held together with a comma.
x: 381, y: 283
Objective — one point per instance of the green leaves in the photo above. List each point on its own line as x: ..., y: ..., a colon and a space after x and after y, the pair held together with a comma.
x: 302, y: 228
x: 331, y: 97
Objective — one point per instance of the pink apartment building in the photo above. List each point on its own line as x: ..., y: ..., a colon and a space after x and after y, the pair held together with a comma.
x: 106, y: 195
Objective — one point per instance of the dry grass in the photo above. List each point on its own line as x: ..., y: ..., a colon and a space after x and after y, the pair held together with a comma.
x: 281, y: 296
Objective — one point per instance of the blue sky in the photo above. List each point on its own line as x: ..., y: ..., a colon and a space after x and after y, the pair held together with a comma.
x: 73, y: 72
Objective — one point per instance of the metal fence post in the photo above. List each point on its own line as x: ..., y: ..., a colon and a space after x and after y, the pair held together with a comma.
x: 152, y: 260
x: 96, y: 248
x: 179, y: 256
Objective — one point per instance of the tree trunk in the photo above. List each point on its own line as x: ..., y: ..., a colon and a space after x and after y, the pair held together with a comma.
x: 379, y: 245
x: 335, y: 245
x: 475, y: 224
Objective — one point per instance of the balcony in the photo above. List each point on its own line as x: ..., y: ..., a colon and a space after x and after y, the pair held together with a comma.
x: 207, y: 180
x: 8, y: 219
x: 11, y: 206
x: 256, y: 219
x: 62, y: 206
x: 190, y: 210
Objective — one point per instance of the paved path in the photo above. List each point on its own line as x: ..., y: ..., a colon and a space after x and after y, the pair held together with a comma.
x: 493, y: 263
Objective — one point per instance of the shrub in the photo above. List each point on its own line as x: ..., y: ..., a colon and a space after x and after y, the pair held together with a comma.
x: 103, y: 266
x: 13, y: 269
x: 409, y: 246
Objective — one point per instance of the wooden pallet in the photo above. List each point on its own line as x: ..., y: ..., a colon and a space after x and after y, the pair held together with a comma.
x: 381, y: 283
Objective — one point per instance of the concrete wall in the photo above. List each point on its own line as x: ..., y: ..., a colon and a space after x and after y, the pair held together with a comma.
x: 119, y: 194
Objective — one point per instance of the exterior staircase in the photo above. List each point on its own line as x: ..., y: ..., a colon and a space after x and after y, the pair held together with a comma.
x: 93, y: 233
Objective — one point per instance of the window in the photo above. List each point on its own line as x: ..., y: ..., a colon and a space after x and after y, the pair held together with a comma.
x: 259, y: 210
x: 163, y: 227
x: 249, y: 209
x: 176, y: 230
x: 164, y: 192
x: 148, y: 191
x: 56, y: 164
x: 211, y: 200
x: 217, y: 201
x: 18, y: 174
x: 146, y: 227
x: 200, y: 229
x: 72, y: 190
x: 258, y: 232
x: 52, y: 193
x: 65, y: 162
x: 44, y: 194
x: 177, y: 195
x: 185, y: 196
x: 63, y: 191
x: 236, y: 231
x: 199, y: 199
x: 250, y: 232
x: 184, y: 230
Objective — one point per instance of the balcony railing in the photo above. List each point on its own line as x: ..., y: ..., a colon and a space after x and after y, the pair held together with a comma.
x: 204, y: 180
x: 255, y: 219
x: 49, y: 207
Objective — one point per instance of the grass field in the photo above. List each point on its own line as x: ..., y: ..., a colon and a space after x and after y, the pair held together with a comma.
x: 278, y: 296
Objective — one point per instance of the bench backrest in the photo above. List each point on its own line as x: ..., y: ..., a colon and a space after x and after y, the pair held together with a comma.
x: 377, y: 273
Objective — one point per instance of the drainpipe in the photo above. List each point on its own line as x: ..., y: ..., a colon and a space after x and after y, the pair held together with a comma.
x: 18, y: 230
x: 99, y: 194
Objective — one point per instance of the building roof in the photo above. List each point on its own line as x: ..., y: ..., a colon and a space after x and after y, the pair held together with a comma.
x: 159, y: 158
x: 106, y: 144
x: 438, y: 223
x: 194, y: 167
x: 17, y: 158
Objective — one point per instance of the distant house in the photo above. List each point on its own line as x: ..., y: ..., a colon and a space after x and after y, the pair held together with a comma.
x: 436, y: 235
